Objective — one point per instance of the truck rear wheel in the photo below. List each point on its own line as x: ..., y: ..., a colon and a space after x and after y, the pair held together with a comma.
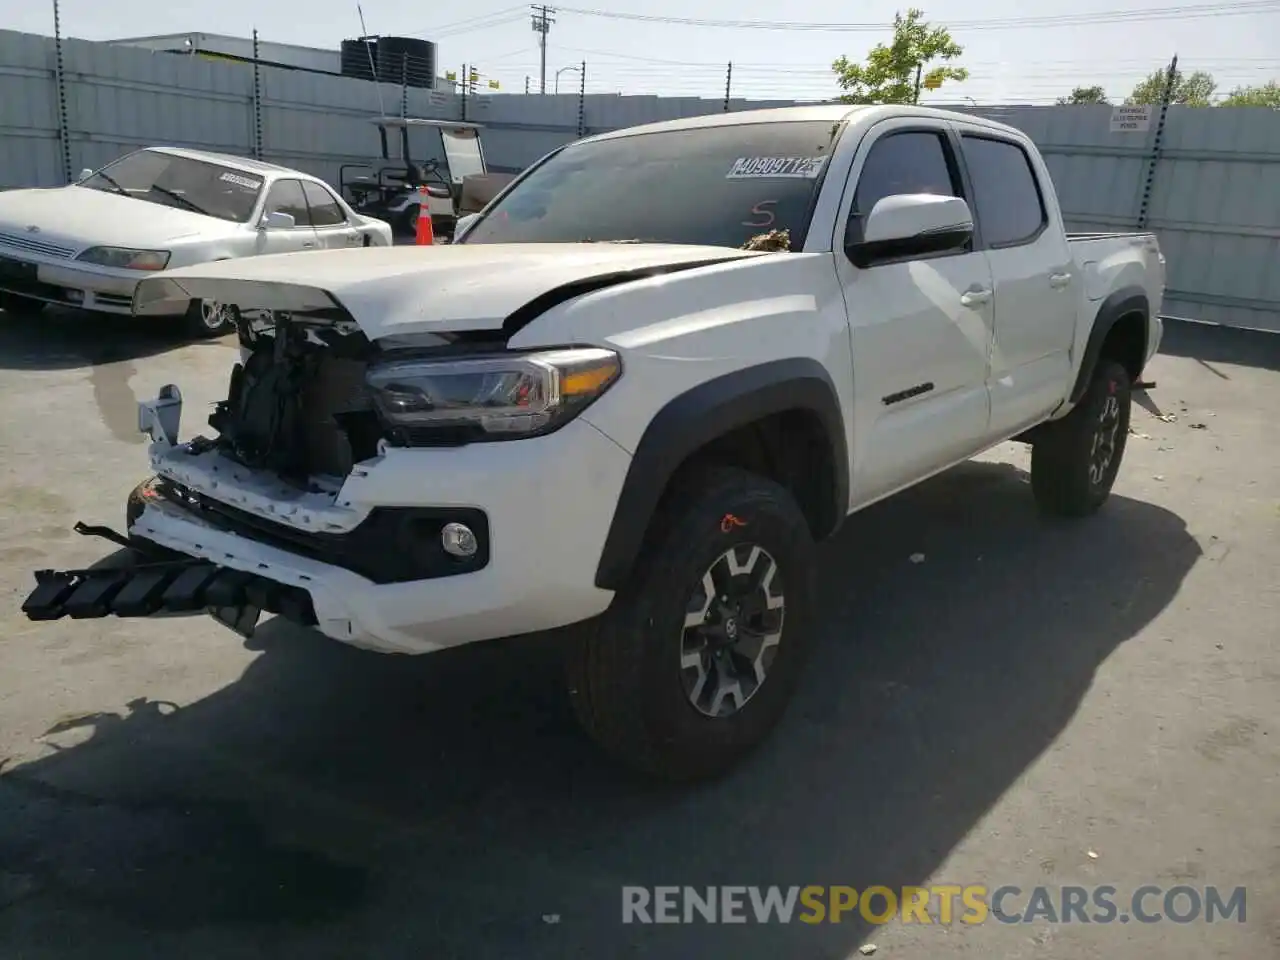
x: 1075, y: 462
x: 695, y: 662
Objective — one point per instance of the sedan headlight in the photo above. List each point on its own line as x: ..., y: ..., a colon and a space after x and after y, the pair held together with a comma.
x: 491, y: 397
x: 126, y: 258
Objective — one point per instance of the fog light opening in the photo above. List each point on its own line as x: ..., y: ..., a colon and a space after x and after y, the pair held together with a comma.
x: 458, y: 540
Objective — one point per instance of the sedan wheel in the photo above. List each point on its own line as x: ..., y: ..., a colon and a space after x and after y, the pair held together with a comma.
x: 211, y: 318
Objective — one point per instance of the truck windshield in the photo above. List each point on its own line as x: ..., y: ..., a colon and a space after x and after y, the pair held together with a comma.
x: 718, y: 186
x: 174, y: 181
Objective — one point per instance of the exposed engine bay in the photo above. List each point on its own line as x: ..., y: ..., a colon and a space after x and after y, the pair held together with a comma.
x: 298, y: 404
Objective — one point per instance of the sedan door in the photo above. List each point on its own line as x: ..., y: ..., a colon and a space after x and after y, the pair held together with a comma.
x: 286, y: 196
x: 920, y: 328
x: 333, y: 230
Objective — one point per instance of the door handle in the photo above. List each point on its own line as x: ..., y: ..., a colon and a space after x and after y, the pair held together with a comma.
x: 308, y: 245
x: 1059, y: 280
x: 975, y: 298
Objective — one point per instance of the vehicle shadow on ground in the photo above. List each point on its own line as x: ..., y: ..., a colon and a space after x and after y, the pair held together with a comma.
x: 64, y: 339
x: 1211, y: 344
x: 337, y: 803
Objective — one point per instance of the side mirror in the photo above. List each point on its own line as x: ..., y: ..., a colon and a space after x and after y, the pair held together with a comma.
x: 277, y: 220
x: 908, y: 225
x: 463, y: 225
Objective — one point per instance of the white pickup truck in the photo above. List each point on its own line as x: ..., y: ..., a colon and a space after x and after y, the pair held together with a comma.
x: 598, y: 409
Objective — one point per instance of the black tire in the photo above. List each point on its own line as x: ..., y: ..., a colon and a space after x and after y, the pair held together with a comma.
x: 1071, y: 474
x: 199, y: 324
x: 18, y: 306
x: 626, y: 682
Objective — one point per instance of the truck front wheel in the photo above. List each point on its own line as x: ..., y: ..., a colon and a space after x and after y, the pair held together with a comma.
x: 1075, y: 462
x: 695, y: 662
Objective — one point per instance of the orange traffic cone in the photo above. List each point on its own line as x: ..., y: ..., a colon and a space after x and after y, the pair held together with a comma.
x: 426, y: 236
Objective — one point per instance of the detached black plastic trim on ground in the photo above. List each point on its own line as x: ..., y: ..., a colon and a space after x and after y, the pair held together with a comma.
x: 166, y: 587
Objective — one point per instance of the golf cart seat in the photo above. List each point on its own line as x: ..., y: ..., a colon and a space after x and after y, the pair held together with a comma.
x: 479, y: 188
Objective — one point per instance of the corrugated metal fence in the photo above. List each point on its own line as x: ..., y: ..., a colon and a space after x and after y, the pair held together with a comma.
x: 1206, y: 180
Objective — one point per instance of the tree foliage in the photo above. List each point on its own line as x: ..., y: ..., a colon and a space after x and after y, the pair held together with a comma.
x: 1264, y: 95
x: 1189, y: 90
x: 1082, y: 95
x: 889, y: 73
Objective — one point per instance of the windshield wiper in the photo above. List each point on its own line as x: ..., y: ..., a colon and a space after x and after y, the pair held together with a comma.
x: 193, y: 207
x: 112, y: 183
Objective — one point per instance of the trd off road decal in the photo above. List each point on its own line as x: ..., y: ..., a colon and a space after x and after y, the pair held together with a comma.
x: 783, y: 168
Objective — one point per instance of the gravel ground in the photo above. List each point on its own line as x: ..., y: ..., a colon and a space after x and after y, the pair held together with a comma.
x: 1026, y: 703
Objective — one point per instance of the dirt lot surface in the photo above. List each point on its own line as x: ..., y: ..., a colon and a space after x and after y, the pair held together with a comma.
x: 1025, y: 703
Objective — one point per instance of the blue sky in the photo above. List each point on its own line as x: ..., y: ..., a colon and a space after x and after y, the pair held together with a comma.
x: 1009, y: 63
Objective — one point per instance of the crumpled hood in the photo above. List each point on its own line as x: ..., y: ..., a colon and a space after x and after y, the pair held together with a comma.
x: 78, y: 218
x: 397, y: 291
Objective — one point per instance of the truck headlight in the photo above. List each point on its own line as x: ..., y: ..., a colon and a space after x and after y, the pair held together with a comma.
x: 126, y: 258
x: 503, y: 396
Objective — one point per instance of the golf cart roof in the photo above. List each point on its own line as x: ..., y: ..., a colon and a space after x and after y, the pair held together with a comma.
x: 420, y: 122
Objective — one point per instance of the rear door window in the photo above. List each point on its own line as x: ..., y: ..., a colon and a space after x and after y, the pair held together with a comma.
x: 1006, y: 194
x: 325, y: 211
x: 286, y: 196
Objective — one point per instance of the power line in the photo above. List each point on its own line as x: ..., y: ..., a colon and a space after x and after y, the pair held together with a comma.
x: 1140, y: 15
x: 473, y: 27
x: 446, y: 27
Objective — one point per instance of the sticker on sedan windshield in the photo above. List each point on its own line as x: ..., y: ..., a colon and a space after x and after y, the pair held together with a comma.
x: 247, y: 182
x: 791, y: 168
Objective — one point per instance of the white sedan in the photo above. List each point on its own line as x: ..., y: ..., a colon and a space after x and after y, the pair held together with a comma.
x: 88, y: 244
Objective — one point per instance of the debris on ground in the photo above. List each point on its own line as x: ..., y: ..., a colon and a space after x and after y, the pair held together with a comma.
x: 1139, y: 435
x: 1159, y: 477
x: 1198, y: 426
x: 1093, y: 854
x: 1168, y: 417
x: 867, y: 949
x: 917, y: 558
x: 775, y: 241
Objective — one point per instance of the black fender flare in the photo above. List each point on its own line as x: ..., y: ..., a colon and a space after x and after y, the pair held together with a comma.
x: 693, y: 419
x: 1123, y: 302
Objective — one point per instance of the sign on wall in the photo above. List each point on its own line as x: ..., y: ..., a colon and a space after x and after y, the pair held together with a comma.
x: 1131, y: 119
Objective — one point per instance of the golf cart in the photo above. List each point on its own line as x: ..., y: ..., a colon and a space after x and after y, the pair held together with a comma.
x: 444, y: 156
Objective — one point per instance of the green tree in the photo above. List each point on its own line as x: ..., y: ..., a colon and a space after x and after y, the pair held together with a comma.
x: 1266, y: 95
x: 889, y: 74
x: 1082, y: 95
x: 1189, y: 90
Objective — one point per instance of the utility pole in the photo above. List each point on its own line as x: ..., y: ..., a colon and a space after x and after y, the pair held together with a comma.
x: 542, y: 21
x: 60, y: 81
x: 919, y: 67
x: 728, y: 85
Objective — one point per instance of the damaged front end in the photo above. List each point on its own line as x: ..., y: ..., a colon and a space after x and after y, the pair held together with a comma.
x: 328, y: 484
x: 295, y: 422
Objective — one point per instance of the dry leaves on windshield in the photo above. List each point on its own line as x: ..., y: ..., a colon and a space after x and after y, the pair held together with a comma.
x: 775, y: 241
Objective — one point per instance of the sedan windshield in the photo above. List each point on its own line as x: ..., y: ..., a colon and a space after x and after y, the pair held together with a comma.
x: 173, y: 181
x: 718, y: 186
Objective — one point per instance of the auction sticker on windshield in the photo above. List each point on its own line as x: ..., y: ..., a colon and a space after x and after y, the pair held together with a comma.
x: 791, y: 168
x: 247, y: 182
